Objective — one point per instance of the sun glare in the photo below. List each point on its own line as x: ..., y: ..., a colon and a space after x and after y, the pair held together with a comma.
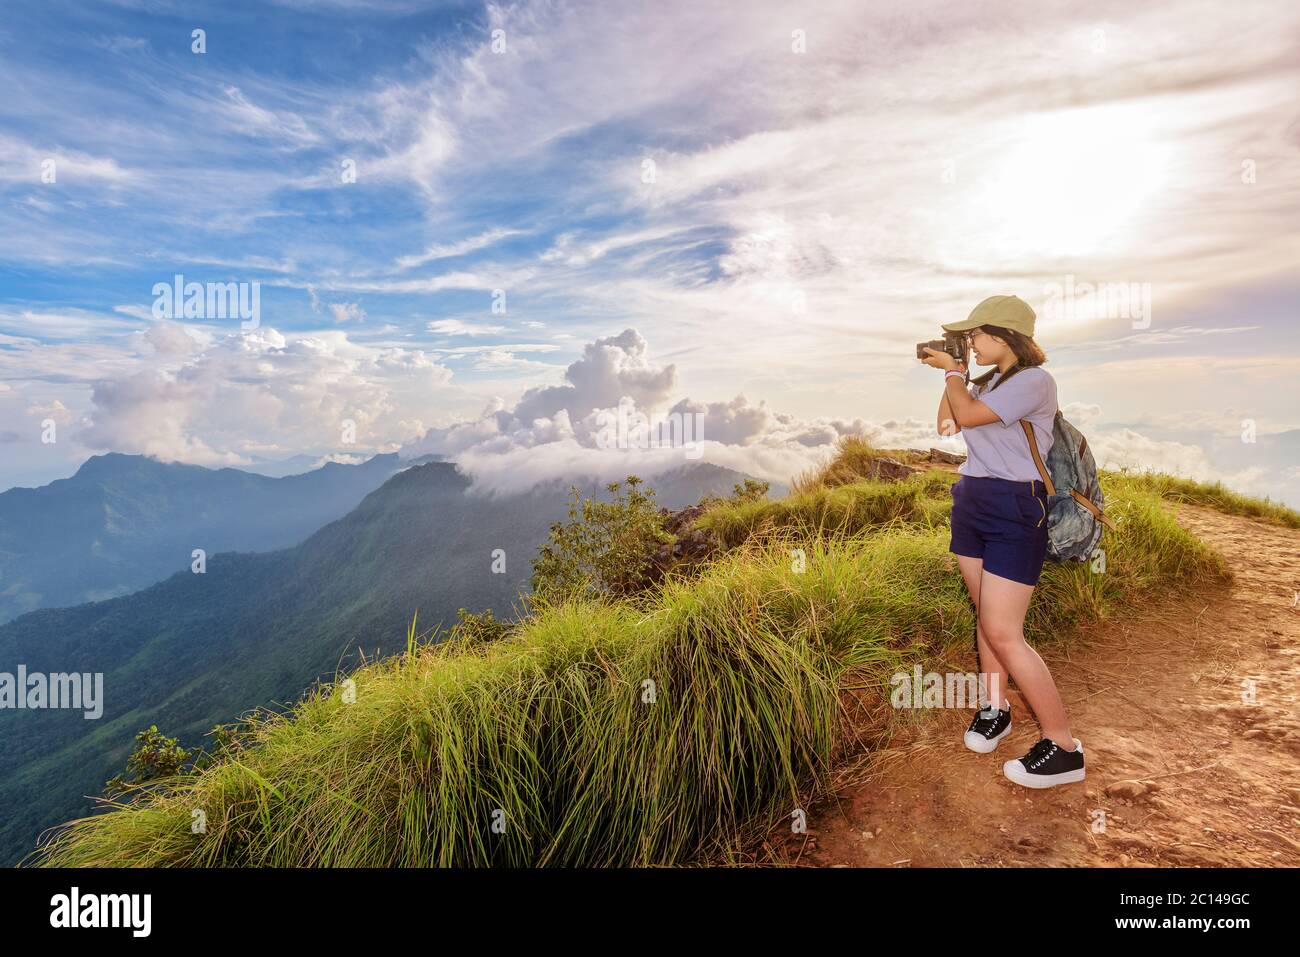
x: 1072, y: 181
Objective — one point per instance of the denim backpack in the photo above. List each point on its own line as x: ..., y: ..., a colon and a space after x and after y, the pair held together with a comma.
x: 1074, y: 499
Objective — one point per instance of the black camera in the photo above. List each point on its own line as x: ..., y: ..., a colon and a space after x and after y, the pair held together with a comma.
x: 956, y: 344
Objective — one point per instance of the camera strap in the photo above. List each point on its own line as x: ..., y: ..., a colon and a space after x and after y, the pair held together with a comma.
x: 983, y: 380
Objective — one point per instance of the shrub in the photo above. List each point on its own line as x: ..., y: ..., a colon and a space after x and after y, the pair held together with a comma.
x: 478, y: 629
x: 605, y: 550
x: 156, y: 758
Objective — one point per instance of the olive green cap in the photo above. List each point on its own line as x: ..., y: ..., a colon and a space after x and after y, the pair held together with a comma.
x: 1009, y: 312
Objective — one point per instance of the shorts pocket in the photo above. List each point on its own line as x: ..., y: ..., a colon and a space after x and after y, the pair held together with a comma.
x: 1032, y: 510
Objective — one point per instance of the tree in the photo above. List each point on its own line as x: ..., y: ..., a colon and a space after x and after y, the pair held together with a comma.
x: 155, y: 757
x: 605, y: 549
x: 751, y: 490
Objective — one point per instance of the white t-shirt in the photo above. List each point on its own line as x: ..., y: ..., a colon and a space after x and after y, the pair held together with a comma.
x: 1000, y: 449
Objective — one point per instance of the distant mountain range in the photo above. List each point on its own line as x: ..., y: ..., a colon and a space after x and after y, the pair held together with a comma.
x: 127, y: 521
x: 256, y: 630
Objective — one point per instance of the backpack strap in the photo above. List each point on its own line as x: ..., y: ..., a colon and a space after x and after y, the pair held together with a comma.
x: 1051, y: 489
x: 1098, y: 513
x: 1038, y: 459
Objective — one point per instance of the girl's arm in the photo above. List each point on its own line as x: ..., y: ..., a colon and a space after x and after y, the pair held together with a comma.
x: 947, y: 422
x: 967, y: 412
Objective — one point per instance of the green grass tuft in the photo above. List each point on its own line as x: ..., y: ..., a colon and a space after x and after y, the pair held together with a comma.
x: 835, y: 510
x: 1210, y: 494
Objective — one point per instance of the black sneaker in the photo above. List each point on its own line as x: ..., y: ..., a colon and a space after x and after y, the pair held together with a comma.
x: 1046, y: 765
x: 987, y: 728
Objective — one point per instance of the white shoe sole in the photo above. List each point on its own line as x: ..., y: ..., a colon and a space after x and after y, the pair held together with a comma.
x: 982, y: 745
x: 1015, y: 771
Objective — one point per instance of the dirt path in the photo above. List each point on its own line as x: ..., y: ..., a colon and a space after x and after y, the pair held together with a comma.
x: 1180, y: 770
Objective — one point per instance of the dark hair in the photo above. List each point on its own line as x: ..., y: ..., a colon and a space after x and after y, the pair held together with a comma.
x: 1027, y: 352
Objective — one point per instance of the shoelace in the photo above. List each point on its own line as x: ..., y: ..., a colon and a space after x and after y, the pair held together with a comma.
x: 982, y: 725
x: 1039, y: 753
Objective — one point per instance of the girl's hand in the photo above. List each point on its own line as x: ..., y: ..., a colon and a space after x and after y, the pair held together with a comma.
x: 937, y: 359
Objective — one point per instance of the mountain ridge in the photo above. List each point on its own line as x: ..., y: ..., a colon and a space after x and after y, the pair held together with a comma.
x: 122, y: 522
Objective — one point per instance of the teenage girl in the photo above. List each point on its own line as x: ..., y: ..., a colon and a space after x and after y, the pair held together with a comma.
x: 999, y: 526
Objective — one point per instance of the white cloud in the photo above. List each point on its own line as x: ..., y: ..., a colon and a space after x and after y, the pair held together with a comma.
x: 505, y: 360
x: 283, y: 126
x: 21, y: 161
x: 260, y: 393
x: 123, y: 44
x: 563, y: 431
x: 460, y: 248
x: 174, y: 339
x: 54, y: 410
x: 1125, y: 448
x: 347, y: 312
x: 610, y: 368
x: 458, y: 327
x: 460, y: 351
x: 70, y: 324
x: 451, y: 280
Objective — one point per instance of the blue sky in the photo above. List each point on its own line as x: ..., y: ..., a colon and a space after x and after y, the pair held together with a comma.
x: 751, y: 213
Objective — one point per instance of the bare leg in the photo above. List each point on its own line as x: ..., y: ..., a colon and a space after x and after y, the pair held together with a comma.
x: 1003, y: 604
x: 992, y: 671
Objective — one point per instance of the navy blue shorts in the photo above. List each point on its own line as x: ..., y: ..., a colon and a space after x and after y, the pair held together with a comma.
x: 1002, y: 522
